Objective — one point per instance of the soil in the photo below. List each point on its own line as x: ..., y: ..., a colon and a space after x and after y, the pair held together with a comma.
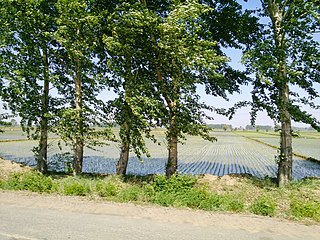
x: 7, y: 167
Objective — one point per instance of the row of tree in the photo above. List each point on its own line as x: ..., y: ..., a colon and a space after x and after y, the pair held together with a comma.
x: 57, y: 56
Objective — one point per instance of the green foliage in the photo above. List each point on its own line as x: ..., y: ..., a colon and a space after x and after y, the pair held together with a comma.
x: 233, y: 203
x: 3, y: 184
x: 213, y: 202
x: 184, y: 191
x: 131, y: 193
x: 177, y: 183
x: 31, y: 181
x: 284, y: 56
x: 107, y: 189
x: 291, y: 47
x: 75, y: 186
x: 306, y: 209
x: 158, y: 55
x: 264, y: 206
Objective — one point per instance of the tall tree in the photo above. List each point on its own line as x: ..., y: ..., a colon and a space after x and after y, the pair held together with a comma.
x: 170, y: 48
x: 182, y: 58
x: 81, y: 79
x: 129, y: 29
x: 285, y: 56
x: 170, y: 59
x: 27, y: 50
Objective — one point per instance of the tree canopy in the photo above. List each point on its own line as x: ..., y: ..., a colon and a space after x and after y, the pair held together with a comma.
x: 286, y: 56
x: 57, y: 57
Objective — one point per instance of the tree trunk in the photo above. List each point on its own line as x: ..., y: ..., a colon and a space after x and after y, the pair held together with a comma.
x: 172, y: 138
x: 285, y: 158
x: 172, y: 164
x: 125, y: 150
x: 79, y: 141
x: 284, y: 175
x: 172, y: 132
x: 42, y: 164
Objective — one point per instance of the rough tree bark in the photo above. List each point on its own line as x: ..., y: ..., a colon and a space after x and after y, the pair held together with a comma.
x: 285, y: 159
x: 172, y: 139
x: 125, y: 150
x: 42, y: 164
x: 79, y: 141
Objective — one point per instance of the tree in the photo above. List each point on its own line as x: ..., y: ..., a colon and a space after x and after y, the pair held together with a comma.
x: 81, y: 79
x: 153, y: 47
x: 130, y: 26
x: 189, y: 53
x: 166, y: 50
x: 286, y: 55
x: 27, y: 50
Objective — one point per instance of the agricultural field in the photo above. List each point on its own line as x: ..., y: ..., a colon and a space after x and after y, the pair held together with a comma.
x: 307, y: 144
x: 234, y: 152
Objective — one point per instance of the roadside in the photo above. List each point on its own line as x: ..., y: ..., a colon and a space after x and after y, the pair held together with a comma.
x: 235, y: 193
x: 33, y: 216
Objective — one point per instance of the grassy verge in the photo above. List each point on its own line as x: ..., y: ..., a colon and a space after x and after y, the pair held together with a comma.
x: 299, y: 200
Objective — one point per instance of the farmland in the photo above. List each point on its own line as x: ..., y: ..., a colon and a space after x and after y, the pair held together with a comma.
x: 234, y: 152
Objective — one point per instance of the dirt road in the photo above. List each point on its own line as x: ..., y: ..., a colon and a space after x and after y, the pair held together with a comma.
x: 26, y: 216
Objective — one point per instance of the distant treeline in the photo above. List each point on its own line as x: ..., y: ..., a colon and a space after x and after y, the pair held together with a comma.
x: 255, y: 128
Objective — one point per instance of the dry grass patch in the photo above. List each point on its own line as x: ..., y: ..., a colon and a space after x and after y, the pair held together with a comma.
x: 9, y: 167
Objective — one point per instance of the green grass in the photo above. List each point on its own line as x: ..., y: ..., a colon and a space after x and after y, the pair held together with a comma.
x: 298, y: 201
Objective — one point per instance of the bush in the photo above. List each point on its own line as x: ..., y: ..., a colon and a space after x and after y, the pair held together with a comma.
x: 191, y: 198
x: 164, y: 199
x: 263, y: 206
x: 194, y: 197
x: 305, y: 209
x: 75, y: 186
x: 177, y: 183
x: 179, y: 190
x: 212, y: 202
x: 32, y: 181
x: 106, y: 189
x: 131, y: 193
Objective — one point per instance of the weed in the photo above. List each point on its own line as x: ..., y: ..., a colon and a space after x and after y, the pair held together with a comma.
x: 305, y: 209
x: 106, y: 189
x: 177, y: 183
x: 32, y: 181
x: 212, y: 202
x: 131, y: 194
x: 233, y: 203
x: 75, y: 186
x: 264, y: 206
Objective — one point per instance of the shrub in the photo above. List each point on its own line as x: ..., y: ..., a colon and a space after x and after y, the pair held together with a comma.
x: 305, y: 209
x: 75, y: 186
x: 194, y: 197
x: 131, y: 193
x: 164, y: 199
x: 179, y: 190
x: 106, y: 189
x: 263, y: 206
x: 191, y: 198
x: 176, y: 183
x: 32, y: 181
x: 212, y: 202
